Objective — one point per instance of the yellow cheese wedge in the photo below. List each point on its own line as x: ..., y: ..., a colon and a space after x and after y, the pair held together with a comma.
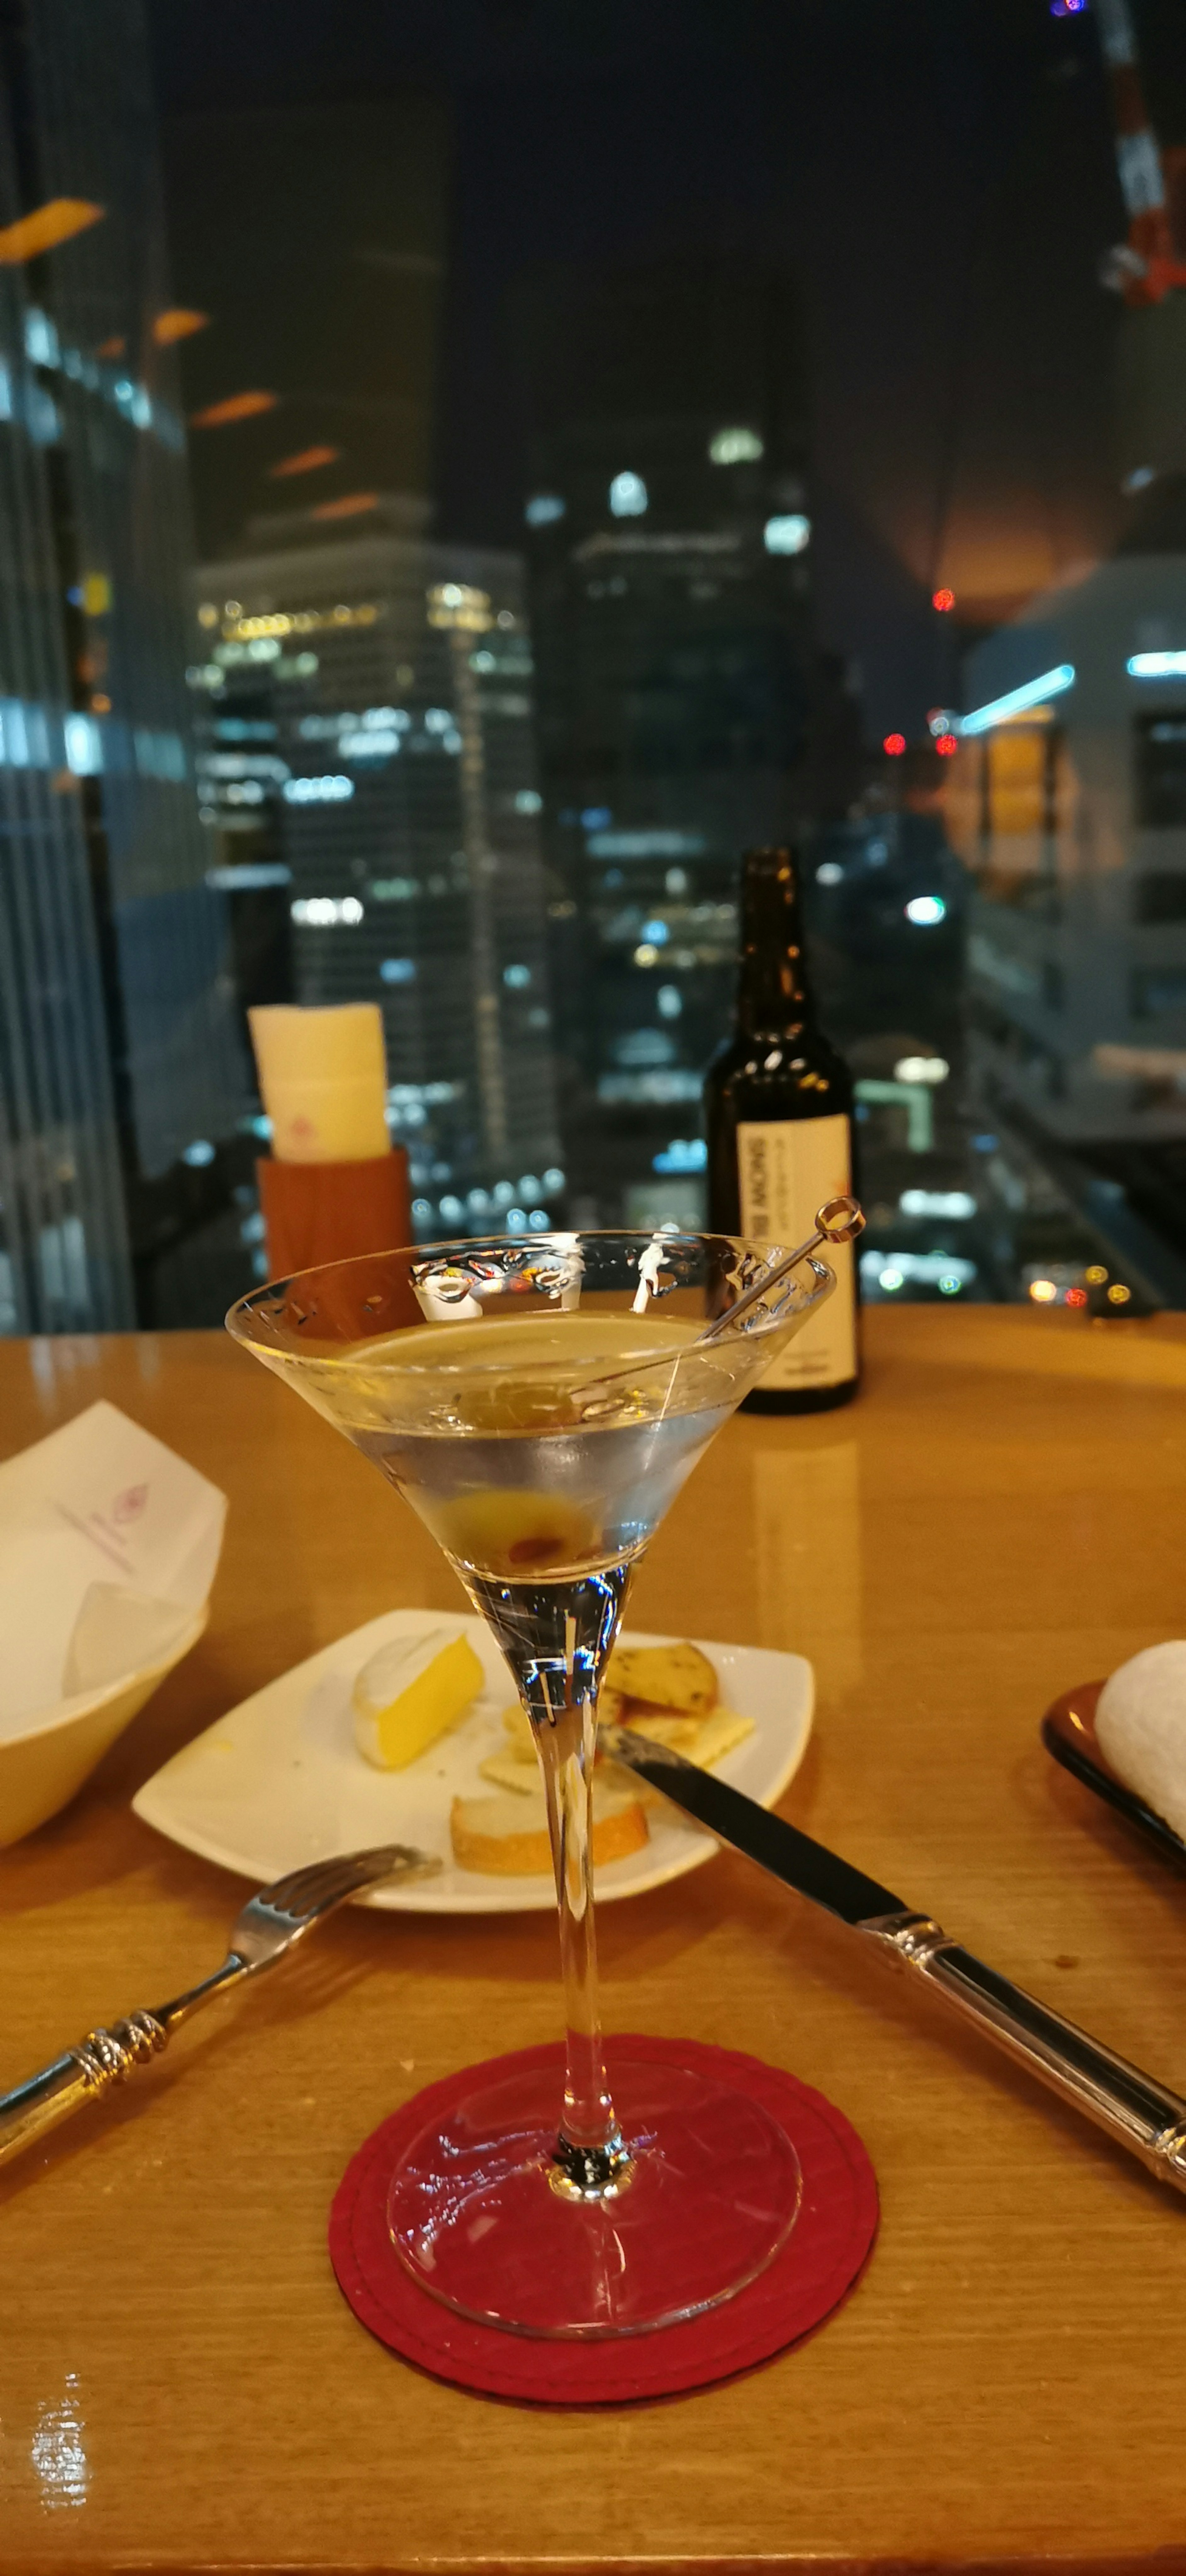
x: 411, y: 1691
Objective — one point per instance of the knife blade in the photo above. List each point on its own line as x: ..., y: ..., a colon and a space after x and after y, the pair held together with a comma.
x: 1133, y: 2108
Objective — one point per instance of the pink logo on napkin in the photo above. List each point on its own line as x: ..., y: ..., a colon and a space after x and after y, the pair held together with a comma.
x: 129, y: 1505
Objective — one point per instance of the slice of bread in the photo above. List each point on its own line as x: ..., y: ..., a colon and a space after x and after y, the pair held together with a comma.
x: 507, y: 1836
x: 670, y: 1677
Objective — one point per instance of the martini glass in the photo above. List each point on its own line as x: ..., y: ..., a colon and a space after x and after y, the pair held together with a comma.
x: 540, y: 1403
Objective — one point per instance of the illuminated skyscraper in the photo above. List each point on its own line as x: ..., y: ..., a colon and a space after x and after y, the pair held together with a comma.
x: 670, y: 551
x: 119, y: 1068
x: 370, y: 763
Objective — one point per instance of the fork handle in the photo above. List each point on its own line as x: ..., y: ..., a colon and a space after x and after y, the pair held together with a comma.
x: 83, y: 2074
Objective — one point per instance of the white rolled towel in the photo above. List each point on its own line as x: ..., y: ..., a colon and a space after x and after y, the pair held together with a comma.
x: 1140, y: 1723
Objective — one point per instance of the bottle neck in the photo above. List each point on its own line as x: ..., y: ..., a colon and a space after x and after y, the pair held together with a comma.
x: 773, y: 991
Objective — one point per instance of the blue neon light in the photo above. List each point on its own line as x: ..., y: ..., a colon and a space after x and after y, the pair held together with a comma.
x: 1033, y: 693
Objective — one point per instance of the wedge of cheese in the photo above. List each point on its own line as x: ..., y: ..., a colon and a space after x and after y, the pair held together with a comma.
x: 410, y: 1692
x: 507, y: 1837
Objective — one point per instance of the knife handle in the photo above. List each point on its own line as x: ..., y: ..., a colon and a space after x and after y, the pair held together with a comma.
x: 1141, y: 2114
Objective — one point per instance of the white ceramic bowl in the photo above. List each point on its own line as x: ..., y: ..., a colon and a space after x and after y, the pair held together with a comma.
x: 44, y: 1762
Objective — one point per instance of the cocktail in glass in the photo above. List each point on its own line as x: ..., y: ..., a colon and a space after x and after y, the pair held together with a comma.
x: 540, y: 1402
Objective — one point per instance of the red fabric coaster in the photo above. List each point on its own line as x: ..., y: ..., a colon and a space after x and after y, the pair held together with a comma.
x: 822, y: 2258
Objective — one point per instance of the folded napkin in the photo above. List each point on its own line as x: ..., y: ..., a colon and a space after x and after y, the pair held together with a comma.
x: 108, y: 1548
x: 1140, y: 1725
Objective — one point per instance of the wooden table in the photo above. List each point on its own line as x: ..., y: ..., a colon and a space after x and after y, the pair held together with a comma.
x: 181, y: 2385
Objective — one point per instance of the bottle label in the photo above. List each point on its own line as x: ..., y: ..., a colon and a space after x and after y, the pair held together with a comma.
x: 787, y: 1168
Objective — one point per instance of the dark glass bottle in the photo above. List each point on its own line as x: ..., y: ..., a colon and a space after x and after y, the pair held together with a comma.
x: 778, y: 1104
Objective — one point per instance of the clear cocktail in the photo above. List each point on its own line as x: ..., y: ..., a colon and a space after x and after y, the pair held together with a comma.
x: 540, y: 1405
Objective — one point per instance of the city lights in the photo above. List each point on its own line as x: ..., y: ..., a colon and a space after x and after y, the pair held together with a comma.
x: 923, y: 910
x: 1043, y: 1291
x: 369, y: 743
x: 1076, y: 1297
x: 1157, y: 666
x: 178, y: 323
x: 455, y: 604
x: 735, y: 447
x: 327, y: 911
x: 628, y: 496
x: 239, y: 629
x: 787, y: 535
x: 890, y: 1272
x: 895, y: 745
x: 683, y: 1154
x: 56, y: 222
x: 543, y: 509
x: 352, y: 505
x: 1118, y: 1294
x: 921, y: 1068
x: 958, y: 1205
x: 1032, y: 693
x: 306, y: 461
x: 318, y: 791
x: 943, y: 600
x: 34, y: 404
x: 946, y: 744
x: 84, y: 746
x: 234, y: 407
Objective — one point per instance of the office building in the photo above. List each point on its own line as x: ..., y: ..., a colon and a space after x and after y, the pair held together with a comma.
x: 669, y: 537
x: 368, y: 764
x: 1069, y: 803
x: 314, y: 235
x: 119, y: 1057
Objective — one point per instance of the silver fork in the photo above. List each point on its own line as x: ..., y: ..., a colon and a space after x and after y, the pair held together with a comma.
x: 269, y: 1925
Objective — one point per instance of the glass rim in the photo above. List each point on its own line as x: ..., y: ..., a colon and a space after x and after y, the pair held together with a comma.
x: 241, y: 1314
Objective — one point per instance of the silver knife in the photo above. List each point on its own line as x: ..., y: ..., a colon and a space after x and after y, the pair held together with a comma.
x: 1141, y: 2114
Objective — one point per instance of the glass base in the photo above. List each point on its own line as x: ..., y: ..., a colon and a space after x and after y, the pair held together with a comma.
x: 488, y: 2220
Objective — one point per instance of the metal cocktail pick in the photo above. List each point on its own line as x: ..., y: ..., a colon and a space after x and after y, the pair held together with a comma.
x: 838, y: 1221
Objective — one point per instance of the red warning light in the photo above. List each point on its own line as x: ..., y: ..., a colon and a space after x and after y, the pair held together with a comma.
x: 946, y: 744
x: 895, y: 744
x: 943, y: 600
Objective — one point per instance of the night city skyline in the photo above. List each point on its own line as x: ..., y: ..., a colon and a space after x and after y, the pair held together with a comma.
x: 600, y: 440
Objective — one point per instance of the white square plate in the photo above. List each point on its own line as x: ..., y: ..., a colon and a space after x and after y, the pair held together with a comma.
x: 280, y: 1780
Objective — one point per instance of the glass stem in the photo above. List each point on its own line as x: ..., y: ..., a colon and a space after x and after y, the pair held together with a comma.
x: 556, y: 1638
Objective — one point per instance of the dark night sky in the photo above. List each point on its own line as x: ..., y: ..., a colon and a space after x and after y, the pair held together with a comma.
x: 941, y: 176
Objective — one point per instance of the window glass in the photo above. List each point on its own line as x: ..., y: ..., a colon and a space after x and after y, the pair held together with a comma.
x: 466, y: 475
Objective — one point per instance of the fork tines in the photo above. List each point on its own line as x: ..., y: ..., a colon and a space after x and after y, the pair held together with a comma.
x: 322, y: 1882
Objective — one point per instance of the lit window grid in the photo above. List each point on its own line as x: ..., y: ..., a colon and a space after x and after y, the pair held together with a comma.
x: 406, y: 829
